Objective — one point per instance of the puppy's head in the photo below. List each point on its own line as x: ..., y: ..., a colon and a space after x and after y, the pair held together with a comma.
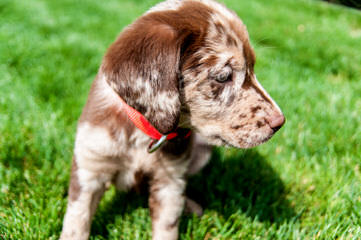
x: 190, y: 63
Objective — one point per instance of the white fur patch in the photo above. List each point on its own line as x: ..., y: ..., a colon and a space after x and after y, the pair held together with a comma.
x: 106, y: 92
x: 259, y: 86
x: 225, y: 12
x: 95, y: 148
x: 76, y: 219
x: 171, y: 207
x: 167, y: 102
x: 90, y: 181
x: 166, y: 5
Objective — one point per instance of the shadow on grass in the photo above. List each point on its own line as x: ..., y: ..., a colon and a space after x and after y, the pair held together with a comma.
x: 241, y: 180
x: 233, y: 181
x: 119, y: 205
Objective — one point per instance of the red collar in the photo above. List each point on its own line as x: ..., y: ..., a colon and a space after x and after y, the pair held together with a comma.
x: 146, y: 127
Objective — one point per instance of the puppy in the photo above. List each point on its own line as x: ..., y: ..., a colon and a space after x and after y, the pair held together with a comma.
x: 180, y: 78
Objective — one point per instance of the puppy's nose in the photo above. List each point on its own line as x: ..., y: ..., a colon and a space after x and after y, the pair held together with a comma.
x: 276, y: 122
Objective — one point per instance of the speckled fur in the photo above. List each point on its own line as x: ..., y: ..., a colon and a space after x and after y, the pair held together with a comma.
x: 167, y: 65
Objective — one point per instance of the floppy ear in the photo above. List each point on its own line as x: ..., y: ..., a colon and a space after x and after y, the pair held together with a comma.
x: 142, y: 66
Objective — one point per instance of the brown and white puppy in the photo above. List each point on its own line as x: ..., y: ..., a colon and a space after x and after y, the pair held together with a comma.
x: 182, y: 64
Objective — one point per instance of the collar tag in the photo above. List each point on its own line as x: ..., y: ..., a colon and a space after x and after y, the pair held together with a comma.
x: 155, y: 144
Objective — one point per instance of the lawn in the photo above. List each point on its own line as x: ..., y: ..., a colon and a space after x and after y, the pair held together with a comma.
x: 303, y: 184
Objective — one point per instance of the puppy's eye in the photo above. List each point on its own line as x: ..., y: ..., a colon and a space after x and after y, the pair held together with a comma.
x: 225, y: 76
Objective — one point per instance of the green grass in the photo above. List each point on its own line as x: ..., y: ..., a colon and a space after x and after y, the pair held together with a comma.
x: 303, y: 184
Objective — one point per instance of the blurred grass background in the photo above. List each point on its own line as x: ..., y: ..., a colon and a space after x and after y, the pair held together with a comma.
x: 303, y: 184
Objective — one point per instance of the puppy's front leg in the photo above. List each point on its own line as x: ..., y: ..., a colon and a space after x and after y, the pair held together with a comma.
x: 166, y: 203
x: 85, y: 191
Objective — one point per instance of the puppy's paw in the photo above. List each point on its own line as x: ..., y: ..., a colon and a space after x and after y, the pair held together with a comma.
x: 191, y: 207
